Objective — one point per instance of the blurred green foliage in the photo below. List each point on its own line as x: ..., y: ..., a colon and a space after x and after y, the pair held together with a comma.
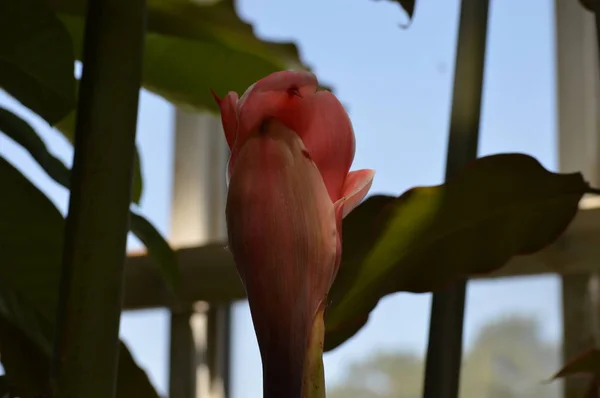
x: 191, y: 47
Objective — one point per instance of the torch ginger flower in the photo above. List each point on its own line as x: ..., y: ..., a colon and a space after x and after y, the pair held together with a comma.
x: 289, y: 188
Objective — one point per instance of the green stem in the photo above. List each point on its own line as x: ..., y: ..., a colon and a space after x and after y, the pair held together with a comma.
x: 444, y: 349
x: 86, y: 350
x: 313, y: 383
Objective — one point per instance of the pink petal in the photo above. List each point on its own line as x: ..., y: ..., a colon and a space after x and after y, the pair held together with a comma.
x: 283, y: 236
x: 325, y: 128
x: 267, y: 96
x: 317, y: 117
x: 279, y: 82
x: 264, y: 98
x: 228, y: 106
x: 356, y: 187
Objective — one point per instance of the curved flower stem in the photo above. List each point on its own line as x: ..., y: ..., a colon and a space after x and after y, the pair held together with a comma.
x: 313, y: 383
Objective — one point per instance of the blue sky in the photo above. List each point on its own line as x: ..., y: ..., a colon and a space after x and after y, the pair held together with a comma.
x: 397, y: 85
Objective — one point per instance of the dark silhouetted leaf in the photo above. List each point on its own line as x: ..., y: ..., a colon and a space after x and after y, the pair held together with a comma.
x: 23, y: 134
x: 407, y: 5
x: 497, y: 207
x: 4, y: 387
x: 133, y: 380
x: 28, y: 368
x: 25, y: 363
x: 138, y: 179
x: 593, y: 389
x: 31, y: 242
x: 36, y: 58
x: 15, y: 308
x: 157, y: 248
x: 586, y: 363
x: 587, y: 4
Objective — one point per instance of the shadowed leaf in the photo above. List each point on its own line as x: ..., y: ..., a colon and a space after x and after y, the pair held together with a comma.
x: 25, y: 364
x: 158, y: 248
x: 23, y: 134
x: 30, y: 262
x: 4, y: 387
x: 132, y: 380
x: 36, y: 58
x: 497, y: 207
x: 586, y: 363
x: 593, y: 389
x: 587, y: 4
x: 407, y: 5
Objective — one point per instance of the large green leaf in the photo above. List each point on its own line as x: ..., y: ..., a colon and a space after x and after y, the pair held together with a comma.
x: 193, y: 46
x: 30, y: 220
x: 23, y: 134
x: 36, y: 58
x: 498, y: 207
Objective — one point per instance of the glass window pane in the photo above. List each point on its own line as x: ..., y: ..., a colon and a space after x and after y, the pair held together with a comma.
x: 147, y: 332
x: 513, y: 345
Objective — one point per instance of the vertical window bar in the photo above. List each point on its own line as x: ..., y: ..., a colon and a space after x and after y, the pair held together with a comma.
x: 578, y: 145
x: 200, y: 334
x: 444, y: 351
x: 182, y: 355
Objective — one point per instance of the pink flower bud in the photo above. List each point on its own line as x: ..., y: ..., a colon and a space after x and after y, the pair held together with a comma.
x: 289, y: 188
